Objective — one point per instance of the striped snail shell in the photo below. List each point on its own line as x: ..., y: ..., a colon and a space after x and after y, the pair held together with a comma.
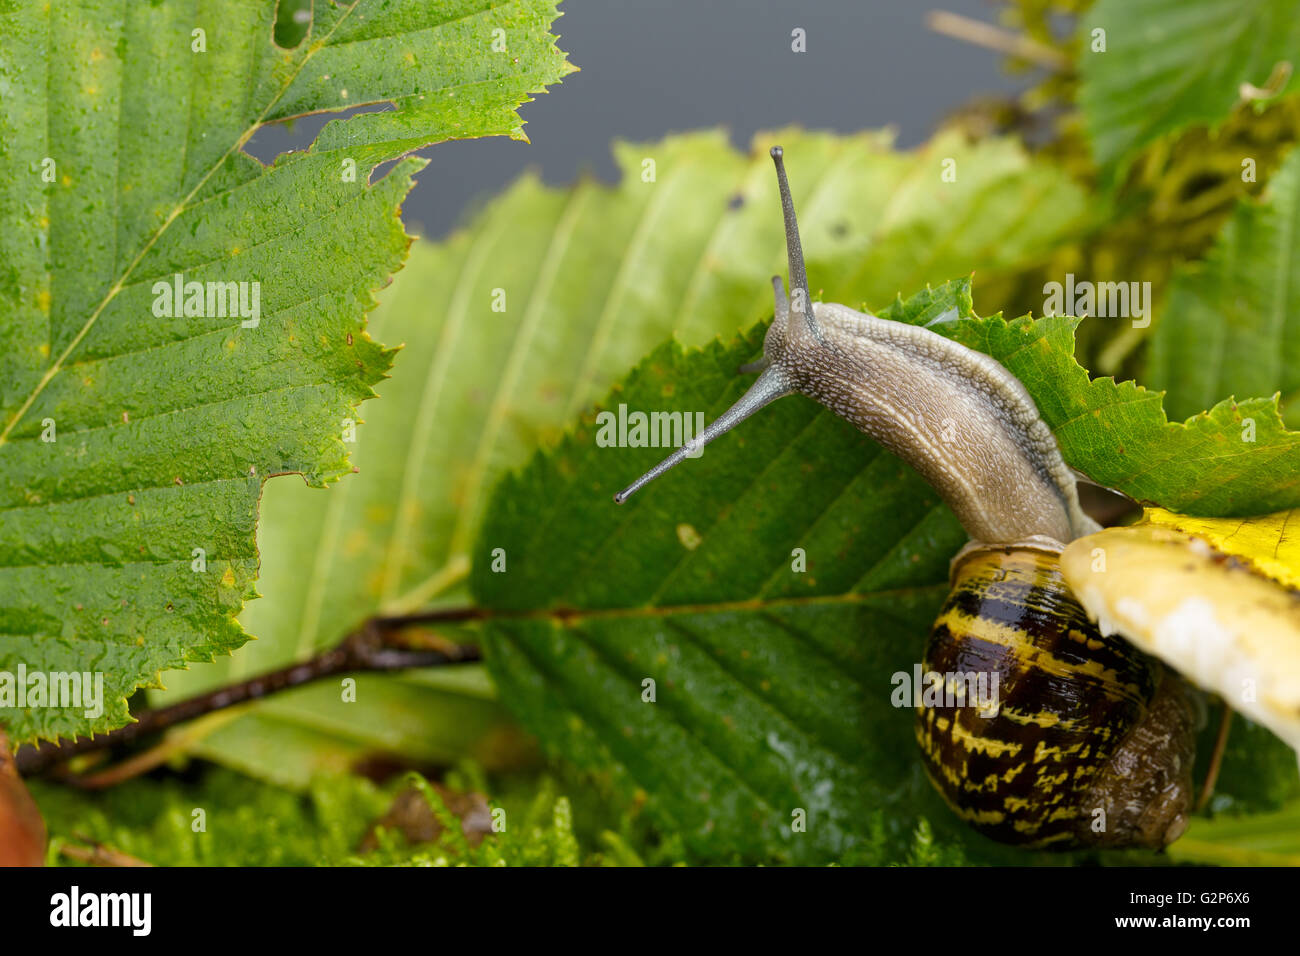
x: 1092, y: 741
x: 1088, y: 742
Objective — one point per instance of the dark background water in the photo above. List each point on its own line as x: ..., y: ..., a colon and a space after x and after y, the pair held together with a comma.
x: 651, y: 67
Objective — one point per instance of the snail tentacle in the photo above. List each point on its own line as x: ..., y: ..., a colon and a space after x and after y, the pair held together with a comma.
x: 767, y: 388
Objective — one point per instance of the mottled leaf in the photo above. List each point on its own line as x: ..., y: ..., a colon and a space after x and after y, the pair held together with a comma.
x: 136, y: 437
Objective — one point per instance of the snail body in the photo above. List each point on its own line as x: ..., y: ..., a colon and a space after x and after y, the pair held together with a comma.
x: 1091, y: 741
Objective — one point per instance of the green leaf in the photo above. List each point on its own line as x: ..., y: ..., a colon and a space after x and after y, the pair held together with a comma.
x: 130, y: 439
x: 591, y: 278
x: 1258, y: 771
x: 771, y: 686
x: 1214, y: 464
x: 1169, y: 64
x: 1265, y: 840
x: 1231, y: 324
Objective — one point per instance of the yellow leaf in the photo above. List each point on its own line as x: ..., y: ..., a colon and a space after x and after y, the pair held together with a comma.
x: 1270, y: 544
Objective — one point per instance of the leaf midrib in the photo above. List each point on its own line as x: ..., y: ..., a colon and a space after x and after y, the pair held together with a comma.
x: 430, y: 399
x: 556, y: 248
x: 634, y: 248
x: 1282, y: 280
x: 751, y: 604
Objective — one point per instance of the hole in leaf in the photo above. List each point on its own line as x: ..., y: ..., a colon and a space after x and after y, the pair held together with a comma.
x: 292, y: 21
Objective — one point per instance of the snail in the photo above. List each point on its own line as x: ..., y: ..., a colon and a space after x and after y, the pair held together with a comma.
x: 1090, y: 740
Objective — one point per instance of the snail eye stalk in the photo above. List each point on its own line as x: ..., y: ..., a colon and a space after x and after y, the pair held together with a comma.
x: 800, y: 297
x: 773, y: 382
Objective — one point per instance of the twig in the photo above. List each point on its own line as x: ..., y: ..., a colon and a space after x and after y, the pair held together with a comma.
x: 1272, y: 86
x: 996, y: 38
x: 172, y: 742
x: 367, y: 649
x: 99, y: 855
x: 1216, y: 759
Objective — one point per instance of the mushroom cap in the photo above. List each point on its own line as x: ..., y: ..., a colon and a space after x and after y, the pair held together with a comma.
x: 1228, y: 622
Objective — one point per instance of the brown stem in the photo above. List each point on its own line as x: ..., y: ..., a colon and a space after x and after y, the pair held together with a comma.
x: 368, y: 649
x: 997, y: 39
x: 1216, y: 759
x: 172, y: 742
x: 96, y: 854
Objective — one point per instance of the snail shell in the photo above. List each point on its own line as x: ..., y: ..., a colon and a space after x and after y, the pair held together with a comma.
x: 1084, y: 742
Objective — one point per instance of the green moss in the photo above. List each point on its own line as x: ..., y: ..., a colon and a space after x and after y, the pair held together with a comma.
x: 220, y: 818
